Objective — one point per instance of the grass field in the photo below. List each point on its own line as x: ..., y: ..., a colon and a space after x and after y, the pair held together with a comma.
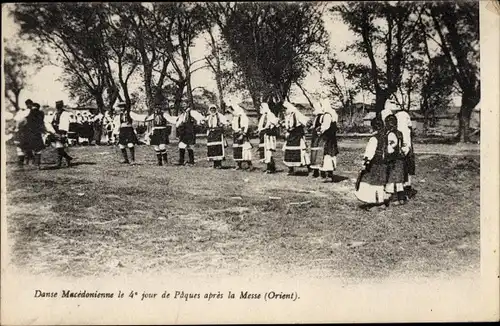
x: 100, y: 217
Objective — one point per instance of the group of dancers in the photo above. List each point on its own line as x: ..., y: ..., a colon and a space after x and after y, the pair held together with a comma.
x: 321, y: 160
x: 388, y: 160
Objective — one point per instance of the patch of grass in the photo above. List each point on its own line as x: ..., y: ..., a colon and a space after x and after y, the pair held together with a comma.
x: 107, y: 218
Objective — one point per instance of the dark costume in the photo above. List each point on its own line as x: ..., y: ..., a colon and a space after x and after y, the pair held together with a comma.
x: 159, y: 138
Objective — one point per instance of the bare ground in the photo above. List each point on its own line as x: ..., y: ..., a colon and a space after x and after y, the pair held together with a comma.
x: 100, y: 218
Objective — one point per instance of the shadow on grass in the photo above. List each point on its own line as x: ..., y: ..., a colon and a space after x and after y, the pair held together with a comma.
x: 301, y: 173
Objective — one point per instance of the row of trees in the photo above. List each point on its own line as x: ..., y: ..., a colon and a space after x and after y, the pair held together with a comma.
x: 103, y: 45
x: 417, y: 52
x: 406, y: 50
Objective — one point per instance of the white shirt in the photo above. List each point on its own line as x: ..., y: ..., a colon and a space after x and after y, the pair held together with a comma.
x: 270, y: 121
x: 371, y: 147
x: 243, y: 123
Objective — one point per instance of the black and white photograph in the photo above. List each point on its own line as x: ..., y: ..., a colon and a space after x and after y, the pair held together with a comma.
x: 260, y: 154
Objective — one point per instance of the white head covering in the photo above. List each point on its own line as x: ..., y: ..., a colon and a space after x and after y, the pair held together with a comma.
x: 327, y: 108
x: 317, y: 108
x: 237, y: 110
x: 264, y: 108
x: 292, y: 108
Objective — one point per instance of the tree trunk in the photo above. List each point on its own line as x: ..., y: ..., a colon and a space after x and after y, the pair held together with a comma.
x: 178, y: 96
x: 100, y: 103
x: 148, y: 77
x: 380, y: 100
x: 469, y: 101
x: 16, y: 104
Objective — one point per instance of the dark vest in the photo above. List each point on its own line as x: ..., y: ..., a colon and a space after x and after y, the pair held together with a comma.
x: 159, y: 120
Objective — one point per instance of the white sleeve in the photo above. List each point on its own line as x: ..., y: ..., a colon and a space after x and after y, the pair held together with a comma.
x: 223, y: 119
x: 392, y: 141
x: 197, y: 116
x: 261, y: 123
x: 64, y: 122
x: 370, y: 148
x: 327, y: 121
x: 116, y: 125
x: 48, y: 126
x: 244, y: 123
x: 170, y: 118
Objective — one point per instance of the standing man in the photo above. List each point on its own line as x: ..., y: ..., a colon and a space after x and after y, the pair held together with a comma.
x: 60, y: 123
x: 242, y: 149
x: 159, y: 138
x: 329, y: 135
x: 295, y: 149
x: 267, y: 134
x: 126, y: 134
x: 215, y: 136
x: 316, y: 139
x: 97, y: 121
x: 186, y: 124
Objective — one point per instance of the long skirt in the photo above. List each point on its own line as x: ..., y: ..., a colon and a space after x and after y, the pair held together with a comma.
x: 187, y: 134
x: 330, y: 150
x: 317, y: 149
x: 74, y: 129
x: 267, y: 146
x: 160, y: 136
x: 295, y: 151
x: 31, y: 141
x: 410, y: 162
x: 242, y: 149
x: 215, y: 145
x: 127, y: 136
x: 371, y: 184
x: 396, y: 171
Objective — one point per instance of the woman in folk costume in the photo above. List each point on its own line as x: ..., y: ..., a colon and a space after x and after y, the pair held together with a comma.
x: 31, y: 130
x: 395, y: 160
x: 267, y: 133
x: 215, y: 136
x: 328, y: 131
x: 20, y: 118
x: 60, y: 123
x: 242, y: 149
x: 316, y: 139
x: 295, y: 149
x: 186, y: 124
x: 406, y: 128
x: 108, y: 126
x: 159, y: 137
x: 370, y: 186
x: 126, y: 133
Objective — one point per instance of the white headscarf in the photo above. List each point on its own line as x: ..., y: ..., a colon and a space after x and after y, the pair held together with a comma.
x: 298, y: 115
x: 327, y: 108
x: 317, y: 108
x: 264, y: 108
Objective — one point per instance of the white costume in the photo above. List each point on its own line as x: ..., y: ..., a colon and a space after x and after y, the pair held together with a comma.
x: 267, y: 132
x: 242, y: 149
x: 295, y: 149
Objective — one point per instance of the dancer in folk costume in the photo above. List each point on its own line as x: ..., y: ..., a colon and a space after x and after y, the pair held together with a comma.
x: 370, y: 185
x: 186, y: 124
x: 267, y: 137
x: 295, y: 148
x: 20, y: 119
x: 242, y: 149
x: 60, y: 124
x: 108, y: 126
x: 31, y: 132
x: 406, y: 128
x: 215, y: 136
x: 329, y: 134
x: 74, y: 128
x: 126, y: 133
x: 317, y: 142
x: 159, y: 137
x: 97, y: 125
x: 395, y: 159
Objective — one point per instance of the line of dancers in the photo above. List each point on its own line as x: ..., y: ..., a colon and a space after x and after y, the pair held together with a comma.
x: 388, y: 162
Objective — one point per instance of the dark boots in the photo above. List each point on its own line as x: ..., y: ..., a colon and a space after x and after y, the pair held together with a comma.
x: 125, y: 156
x: 290, y: 171
x: 315, y: 173
x: 165, y: 157
x: 61, y: 153
x: 191, y: 156
x: 38, y: 160
x: 132, y: 155
x: 159, y: 158
x: 182, y: 153
x: 20, y: 161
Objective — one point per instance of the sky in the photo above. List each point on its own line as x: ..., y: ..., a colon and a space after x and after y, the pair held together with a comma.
x: 45, y: 88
